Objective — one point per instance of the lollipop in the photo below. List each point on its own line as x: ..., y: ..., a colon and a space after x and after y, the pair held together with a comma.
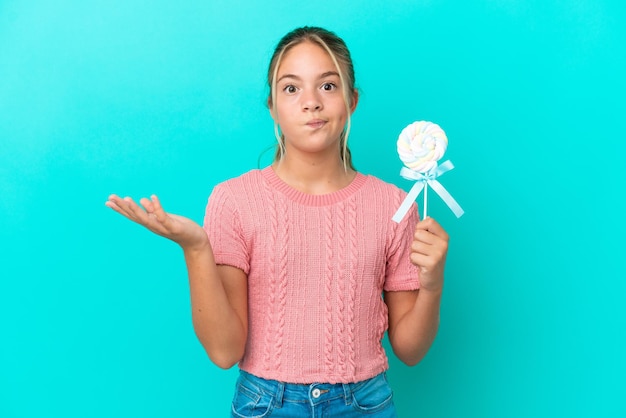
x: 420, y: 146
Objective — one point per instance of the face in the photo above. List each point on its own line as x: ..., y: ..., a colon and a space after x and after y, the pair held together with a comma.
x: 310, y: 107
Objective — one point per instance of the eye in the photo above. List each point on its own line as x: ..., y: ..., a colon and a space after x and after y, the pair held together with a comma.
x: 290, y: 89
x: 329, y: 86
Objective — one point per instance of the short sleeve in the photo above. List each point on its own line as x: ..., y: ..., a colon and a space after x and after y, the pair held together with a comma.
x: 222, y: 223
x: 401, y: 273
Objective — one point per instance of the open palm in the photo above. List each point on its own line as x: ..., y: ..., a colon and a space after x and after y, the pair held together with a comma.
x: 184, y: 231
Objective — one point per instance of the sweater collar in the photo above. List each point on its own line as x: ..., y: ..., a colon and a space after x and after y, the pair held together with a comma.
x: 313, y: 199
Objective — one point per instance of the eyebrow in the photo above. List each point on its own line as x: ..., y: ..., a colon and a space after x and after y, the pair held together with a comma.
x: 295, y: 77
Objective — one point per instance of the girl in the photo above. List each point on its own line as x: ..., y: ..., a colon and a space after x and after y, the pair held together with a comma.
x: 287, y: 274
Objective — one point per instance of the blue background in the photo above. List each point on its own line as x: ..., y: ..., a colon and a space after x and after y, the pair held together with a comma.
x: 139, y: 97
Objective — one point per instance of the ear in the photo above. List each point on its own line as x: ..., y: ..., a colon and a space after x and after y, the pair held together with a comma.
x: 271, y: 109
x: 355, y: 100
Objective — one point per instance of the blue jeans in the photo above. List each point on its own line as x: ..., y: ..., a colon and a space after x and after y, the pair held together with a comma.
x: 257, y: 397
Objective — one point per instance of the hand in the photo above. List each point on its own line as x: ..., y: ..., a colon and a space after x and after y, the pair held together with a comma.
x: 428, y: 252
x: 181, y: 230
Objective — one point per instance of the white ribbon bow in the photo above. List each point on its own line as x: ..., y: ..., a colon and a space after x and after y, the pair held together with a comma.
x: 423, y: 180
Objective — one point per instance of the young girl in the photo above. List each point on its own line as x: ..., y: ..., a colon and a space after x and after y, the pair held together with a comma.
x: 287, y: 274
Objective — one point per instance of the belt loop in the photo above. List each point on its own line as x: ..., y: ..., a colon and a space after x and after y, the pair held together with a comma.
x: 280, y: 390
x: 347, y: 393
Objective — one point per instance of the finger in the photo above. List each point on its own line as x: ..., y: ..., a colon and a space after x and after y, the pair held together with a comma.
x: 426, y: 237
x: 120, y: 205
x: 143, y: 215
x: 428, y: 262
x: 427, y: 224
x: 420, y: 246
x: 425, y: 242
x: 154, y: 209
x: 427, y: 250
x: 113, y: 201
x: 113, y: 205
x: 158, y: 209
x: 420, y: 260
x: 151, y: 205
x: 437, y: 251
x: 114, y: 197
x: 434, y: 252
x: 153, y: 217
x: 156, y: 202
x: 136, y: 212
x: 147, y: 205
x: 430, y: 225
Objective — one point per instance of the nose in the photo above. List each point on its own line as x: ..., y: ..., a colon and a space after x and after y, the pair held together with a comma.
x: 311, y: 101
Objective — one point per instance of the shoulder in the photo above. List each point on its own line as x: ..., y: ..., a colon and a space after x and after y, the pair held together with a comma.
x: 248, y: 177
x: 243, y: 185
x: 233, y: 192
x: 380, y: 199
x: 380, y: 183
x: 376, y: 185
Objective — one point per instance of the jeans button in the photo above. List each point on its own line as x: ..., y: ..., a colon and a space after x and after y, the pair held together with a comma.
x: 316, y: 393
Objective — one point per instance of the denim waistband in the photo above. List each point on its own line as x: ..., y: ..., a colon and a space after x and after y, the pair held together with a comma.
x: 294, y: 392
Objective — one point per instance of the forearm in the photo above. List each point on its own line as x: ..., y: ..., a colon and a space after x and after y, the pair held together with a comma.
x: 414, y: 333
x: 216, y: 322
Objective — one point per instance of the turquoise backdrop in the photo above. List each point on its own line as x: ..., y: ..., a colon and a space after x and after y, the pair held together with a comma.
x: 139, y: 97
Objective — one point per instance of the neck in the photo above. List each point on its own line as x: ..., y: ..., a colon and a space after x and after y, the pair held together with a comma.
x: 313, y: 175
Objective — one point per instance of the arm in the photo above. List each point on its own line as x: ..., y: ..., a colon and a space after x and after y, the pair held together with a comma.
x: 218, y: 293
x: 219, y: 304
x: 414, y: 315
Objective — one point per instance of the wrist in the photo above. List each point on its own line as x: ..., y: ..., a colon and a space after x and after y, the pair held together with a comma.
x: 431, y: 282
x: 197, y: 247
x: 432, y: 291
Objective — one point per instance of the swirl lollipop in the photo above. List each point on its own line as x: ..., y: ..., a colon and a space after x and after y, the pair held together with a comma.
x: 420, y: 146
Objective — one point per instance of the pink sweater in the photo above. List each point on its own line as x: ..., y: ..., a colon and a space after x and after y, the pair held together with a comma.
x: 317, y: 266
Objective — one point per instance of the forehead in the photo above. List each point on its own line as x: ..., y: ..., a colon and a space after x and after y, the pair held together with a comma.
x: 306, y: 57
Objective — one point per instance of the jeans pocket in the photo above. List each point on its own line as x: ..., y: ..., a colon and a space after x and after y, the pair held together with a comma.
x: 251, y: 401
x: 373, y: 395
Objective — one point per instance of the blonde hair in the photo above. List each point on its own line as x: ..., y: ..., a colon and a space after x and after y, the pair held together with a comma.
x: 339, y: 54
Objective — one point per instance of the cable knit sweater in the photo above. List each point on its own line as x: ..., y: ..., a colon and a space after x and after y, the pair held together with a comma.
x: 317, y: 266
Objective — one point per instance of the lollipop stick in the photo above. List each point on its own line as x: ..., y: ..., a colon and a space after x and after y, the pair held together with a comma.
x: 425, y: 200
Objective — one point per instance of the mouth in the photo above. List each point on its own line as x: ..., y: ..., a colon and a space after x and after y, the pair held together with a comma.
x: 316, y: 123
